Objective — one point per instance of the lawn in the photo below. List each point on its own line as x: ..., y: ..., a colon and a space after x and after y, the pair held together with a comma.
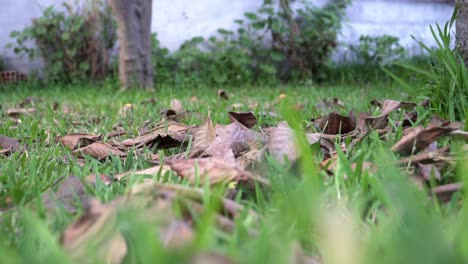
x: 174, y: 178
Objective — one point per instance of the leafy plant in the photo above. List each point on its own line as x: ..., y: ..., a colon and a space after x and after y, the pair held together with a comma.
x: 377, y: 51
x: 74, y: 45
x: 445, y: 78
x: 269, y: 45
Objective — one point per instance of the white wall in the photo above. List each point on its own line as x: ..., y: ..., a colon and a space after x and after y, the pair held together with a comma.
x: 179, y: 20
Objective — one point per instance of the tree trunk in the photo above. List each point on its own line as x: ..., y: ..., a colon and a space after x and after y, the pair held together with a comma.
x: 462, y: 29
x: 134, y: 34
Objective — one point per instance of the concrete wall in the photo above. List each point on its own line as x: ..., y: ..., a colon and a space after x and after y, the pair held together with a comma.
x: 179, y: 20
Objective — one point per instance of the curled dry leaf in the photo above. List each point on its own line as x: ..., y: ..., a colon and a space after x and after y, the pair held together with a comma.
x: 204, y: 135
x: 70, y: 194
x: 9, y: 144
x: 225, y: 136
x: 381, y: 121
x: 335, y: 123
x: 177, y: 235
x: 216, y: 169
x: 16, y: 112
x: 281, y: 143
x: 426, y: 157
x: 418, y: 138
x: 126, y: 110
x: 222, y: 94
x: 166, y: 135
x: 77, y: 140
x: 445, y: 192
x: 150, y: 171
x: 247, y: 119
x: 176, y: 105
x: 95, y: 231
x: 99, y: 150
x: 427, y: 171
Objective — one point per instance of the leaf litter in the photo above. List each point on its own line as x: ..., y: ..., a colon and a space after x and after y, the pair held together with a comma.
x: 221, y: 154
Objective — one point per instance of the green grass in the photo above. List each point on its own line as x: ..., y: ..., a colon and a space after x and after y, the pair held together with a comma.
x: 349, y: 218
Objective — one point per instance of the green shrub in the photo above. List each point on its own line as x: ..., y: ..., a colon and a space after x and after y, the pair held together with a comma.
x: 75, y: 45
x: 377, y: 51
x: 269, y: 45
x: 445, y: 78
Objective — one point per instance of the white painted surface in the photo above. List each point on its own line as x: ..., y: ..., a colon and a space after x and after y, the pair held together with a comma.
x: 179, y: 20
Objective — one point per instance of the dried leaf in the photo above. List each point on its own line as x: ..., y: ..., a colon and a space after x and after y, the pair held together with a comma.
x: 445, y: 192
x: 381, y: 121
x: 427, y: 171
x: 459, y: 134
x: 222, y: 94
x: 281, y: 143
x: 177, y: 234
x: 247, y: 119
x: 150, y: 171
x: 126, y: 110
x: 167, y: 135
x: 424, y: 157
x: 335, y: 123
x: 77, y: 140
x: 216, y: 169
x: 99, y: 150
x: 176, y: 105
x: 96, y: 231
x: 225, y: 136
x: 70, y: 194
x: 8, y: 143
x: 204, y: 135
x: 16, y: 112
x: 418, y: 138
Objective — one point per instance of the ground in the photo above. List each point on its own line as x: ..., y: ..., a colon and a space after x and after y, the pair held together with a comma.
x: 343, y: 200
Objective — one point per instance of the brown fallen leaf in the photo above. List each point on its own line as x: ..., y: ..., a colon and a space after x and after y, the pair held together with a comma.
x: 247, y: 119
x: 281, y: 143
x: 95, y: 231
x: 215, y: 169
x: 418, y: 138
x: 177, y: 234
x: 459, y: 134
x: 445, y: 192
x: 16, y: 112
x: 176, y: 105
x: 222, y: 94
x: 335, y: 123
x: 77, y: 140
x: 104, y: 178
x: 8, y: 143
x: 204, y: 135
x: 424, y: 157
x: 166, y: 134
x: 427, y: 171
x: 211, y: 258
x: 70, y: 194
x: 225, y: 136
x: 99, y: 150
x: 149, y: 171
x: 381, y: 121
x: 126, y: 110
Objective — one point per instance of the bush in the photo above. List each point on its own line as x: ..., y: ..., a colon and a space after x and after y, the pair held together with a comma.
x: 269, y: 45
x: 75, y: 45
x: 377, y: 51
